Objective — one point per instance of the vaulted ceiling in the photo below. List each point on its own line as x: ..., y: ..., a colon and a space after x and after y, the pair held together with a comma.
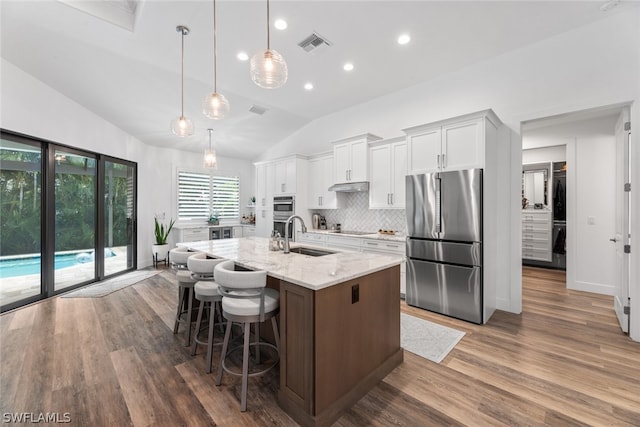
x: 121, y: 59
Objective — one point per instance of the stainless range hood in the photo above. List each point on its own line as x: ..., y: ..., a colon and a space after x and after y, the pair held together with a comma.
x: 350, y: 187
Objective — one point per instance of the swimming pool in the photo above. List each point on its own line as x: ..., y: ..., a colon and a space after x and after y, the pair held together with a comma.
x: 13, y: 267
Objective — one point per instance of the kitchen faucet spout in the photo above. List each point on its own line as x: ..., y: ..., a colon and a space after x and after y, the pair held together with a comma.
x: 286, y: 231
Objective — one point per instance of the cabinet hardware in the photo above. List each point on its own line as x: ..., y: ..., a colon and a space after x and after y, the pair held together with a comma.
x: 438, y: 160
x: 282, y: 187
x: 627, y: 249
x: 613, y: 240
x: 319, y: 202
x: 444, y: 163
x: 392, y: 246
x: 391, y: 198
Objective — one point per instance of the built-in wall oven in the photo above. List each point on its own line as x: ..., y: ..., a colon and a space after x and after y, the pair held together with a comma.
x: 283, y: 208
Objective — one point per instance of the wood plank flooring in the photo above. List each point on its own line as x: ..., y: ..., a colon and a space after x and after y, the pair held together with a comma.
x: 113, y: 361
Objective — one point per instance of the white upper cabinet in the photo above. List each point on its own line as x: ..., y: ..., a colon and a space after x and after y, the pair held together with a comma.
x: 452, y: 144
x: 264, y: 186
x: 463, y: 145
x: 388, y: 167
x: 424, y: 149
x: 351, y: 158
x: 285, y: 177
x: 320, y: 179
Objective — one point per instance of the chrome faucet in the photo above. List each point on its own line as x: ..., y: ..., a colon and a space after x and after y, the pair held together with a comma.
x: 286, y: 231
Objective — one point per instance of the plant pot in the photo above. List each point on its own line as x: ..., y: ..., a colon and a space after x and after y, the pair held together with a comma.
x: 160, y: 253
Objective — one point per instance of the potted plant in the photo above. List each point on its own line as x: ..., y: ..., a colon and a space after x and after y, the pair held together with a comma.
x: 160, y: 249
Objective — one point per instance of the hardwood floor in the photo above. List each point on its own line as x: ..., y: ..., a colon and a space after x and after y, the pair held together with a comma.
x: 113, y: 361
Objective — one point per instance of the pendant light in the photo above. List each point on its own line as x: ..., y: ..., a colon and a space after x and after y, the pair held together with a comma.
x: 268, y: 68
x: 210, y: 158
x: 215, y: 105
x: 182, y: 126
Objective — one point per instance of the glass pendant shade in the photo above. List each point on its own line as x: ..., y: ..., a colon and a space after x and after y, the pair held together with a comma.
x: 215, y: 106
x: 182, y: 126
x: 268, y: 69
x: 210, y: 159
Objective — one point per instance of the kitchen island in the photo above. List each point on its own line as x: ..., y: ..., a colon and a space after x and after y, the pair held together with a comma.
x: 339, y: 322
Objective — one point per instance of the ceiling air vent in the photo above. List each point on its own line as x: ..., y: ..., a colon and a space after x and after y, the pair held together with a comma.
x: 313, y: 42
x: 256, y: 109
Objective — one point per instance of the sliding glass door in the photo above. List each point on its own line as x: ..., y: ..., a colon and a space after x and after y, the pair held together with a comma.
x: 75, y: 218
x: 68, y: 218
x: 21, y: 221
x: 119, y: 218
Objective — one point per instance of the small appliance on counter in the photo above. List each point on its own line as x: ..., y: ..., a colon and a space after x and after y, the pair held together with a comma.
x: 323, y: 223
x: 315, y: 221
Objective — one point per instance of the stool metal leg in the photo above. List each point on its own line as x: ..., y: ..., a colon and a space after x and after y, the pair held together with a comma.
x: 256, y: 329
x: 180, y: 299
x: 198, y: 323
x: 188, y: 322
x: 223, y: 355
x: 212, y: 326
x: 245, y: 367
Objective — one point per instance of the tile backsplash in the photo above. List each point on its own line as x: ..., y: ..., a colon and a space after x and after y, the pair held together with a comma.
x: 357, y: 216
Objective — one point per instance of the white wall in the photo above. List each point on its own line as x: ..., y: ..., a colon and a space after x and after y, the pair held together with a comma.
x: 557, y: 153
x: 29, y: 106
x: 592, y: 66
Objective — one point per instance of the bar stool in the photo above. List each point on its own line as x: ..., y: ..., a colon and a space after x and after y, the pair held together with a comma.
x: 185, y: 302
x: 207, y: 293
x: 246, y: 300
x: 178, y: 257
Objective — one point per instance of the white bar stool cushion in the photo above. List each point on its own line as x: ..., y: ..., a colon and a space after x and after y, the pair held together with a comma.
x: 208, y: 290
x: 251, y: 306
x: 200, y: 265
x: 184, y: 278
x: 179, y: 255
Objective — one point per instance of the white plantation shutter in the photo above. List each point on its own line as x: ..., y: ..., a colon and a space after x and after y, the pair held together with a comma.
x: 200, y: 194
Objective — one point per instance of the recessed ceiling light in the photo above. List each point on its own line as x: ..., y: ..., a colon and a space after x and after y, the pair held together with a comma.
x: 242, y: 56
x: 348, y: 66
x: 404, y: 39
x: 280, y: 24
x: 308, y: 86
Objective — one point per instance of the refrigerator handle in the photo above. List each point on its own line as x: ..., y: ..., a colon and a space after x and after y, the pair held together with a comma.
x: 438, y: 206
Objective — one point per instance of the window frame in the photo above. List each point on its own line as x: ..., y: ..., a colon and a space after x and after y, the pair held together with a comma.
x: 211, y: 208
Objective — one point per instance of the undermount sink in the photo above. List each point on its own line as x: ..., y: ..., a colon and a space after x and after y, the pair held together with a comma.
x: 310, y: 251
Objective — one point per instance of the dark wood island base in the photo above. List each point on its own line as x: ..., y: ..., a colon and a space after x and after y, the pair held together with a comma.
x: 337, y: 343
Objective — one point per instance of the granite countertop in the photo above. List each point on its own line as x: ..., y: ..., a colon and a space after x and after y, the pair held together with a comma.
x: 307, y: 271
x: 398, y: 237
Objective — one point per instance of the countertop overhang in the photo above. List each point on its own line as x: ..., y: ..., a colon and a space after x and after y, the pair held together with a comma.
x: 310, y: 272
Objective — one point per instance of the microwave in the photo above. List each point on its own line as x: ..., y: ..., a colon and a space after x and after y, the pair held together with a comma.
x: 283, y: 207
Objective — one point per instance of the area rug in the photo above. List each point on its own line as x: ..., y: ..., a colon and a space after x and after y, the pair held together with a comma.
x: 108, y: 286
x: 427, y: 339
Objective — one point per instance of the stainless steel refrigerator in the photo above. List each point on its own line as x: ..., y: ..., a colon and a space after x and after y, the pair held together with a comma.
x: 444, y: 243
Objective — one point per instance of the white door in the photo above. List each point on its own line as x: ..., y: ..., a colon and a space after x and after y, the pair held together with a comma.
x: 622, y: 237
x: 341, y: 162
x: 424, y: 151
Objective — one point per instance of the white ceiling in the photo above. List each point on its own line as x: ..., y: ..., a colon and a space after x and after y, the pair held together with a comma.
x: 132, y: 78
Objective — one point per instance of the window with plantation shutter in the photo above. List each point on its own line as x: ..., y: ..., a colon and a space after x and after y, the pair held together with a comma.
x: 202, y: 194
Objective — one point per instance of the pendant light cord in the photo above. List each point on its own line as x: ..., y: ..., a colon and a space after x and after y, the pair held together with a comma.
x: 182, y: 77
x: 215, y: 52
x: 268, y: 38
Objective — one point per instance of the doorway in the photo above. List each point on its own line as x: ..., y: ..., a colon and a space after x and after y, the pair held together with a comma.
x: 586, y: 142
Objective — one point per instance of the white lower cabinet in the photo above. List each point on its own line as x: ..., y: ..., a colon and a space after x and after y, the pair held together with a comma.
x: 312, y: 239
x: 193, y: 234
x: 237, y: 232
x: 343, y: 242
x: 248, y: 231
